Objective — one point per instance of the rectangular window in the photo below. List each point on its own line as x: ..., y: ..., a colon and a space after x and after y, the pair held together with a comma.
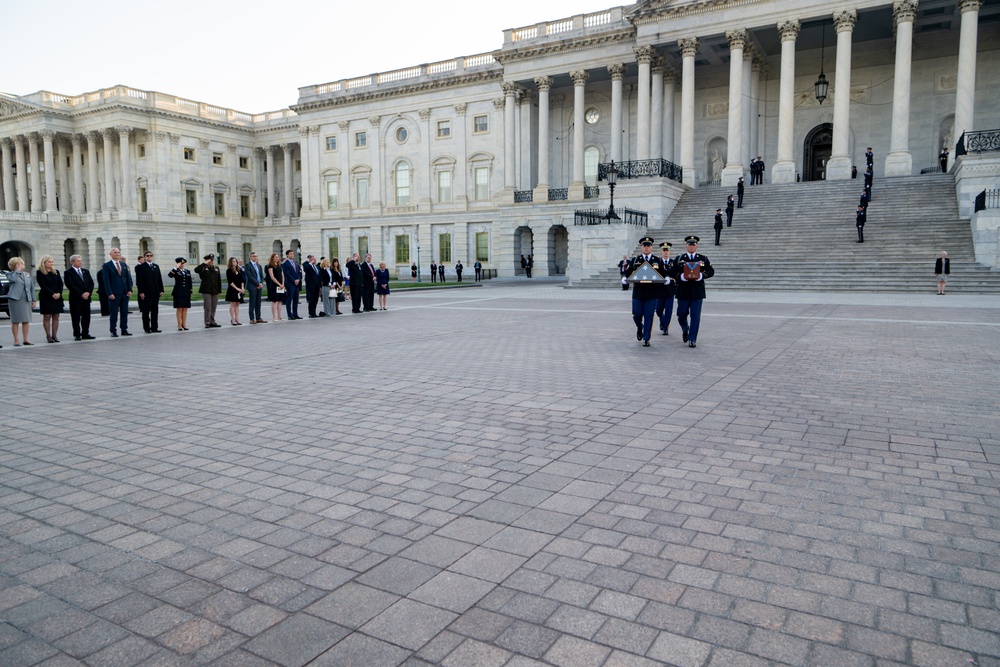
x: 244, y: 162
x: 481, y: 124
x: 194, y: 255
x: 298, y: 165
x: 244, y: 206
x: 362, y: 246
x: 217, y: 159
x: 143, y: 202
x: 360, y: 139
x: 333, y: 247
x: 267, y: 207
x: 444, y: 187
x: 444, y: 247
x: 362, y: 192
x: 191, y: 200
x: 444, y: 129
x: 402, y: 185
x: 247, y: 249
x: 402, y: 250
x: 482, y: 183
x: 140, y: 150
x: 220, y: 254
x: 220, y: 203
x: 482, y: 246
x: 331, y: 143
x: 189, y: 154
x: 332, y: 195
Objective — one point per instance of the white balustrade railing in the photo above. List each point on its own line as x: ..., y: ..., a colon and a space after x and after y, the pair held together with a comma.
x: 525, y: 33
x: 559, y: 26
x: 328, y: 88
x: 480, y: 60
x: 444, y: 66
x: 399, y: 74
x: 600, y: 18
x: 359, y: 82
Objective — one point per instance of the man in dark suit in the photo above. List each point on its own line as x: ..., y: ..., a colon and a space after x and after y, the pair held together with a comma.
x: 434, y: 270
x: 740, y: 188
x: 293, y: 283
x: 478, y: 266
x: 665, y: 303
x: 80, y: 284
x: 862, y: 218
x: 149, y: 284
x: 458, y: 270
x: 368, y: 284
x: 311, y: 272
x: 117, y: 284
x: 354, y: 276
x: 441, y: 271
x: 622, y: 271
x: 528, y: 264
x: 255, y: 287
x: 645, y: 295
x: 690, y: 272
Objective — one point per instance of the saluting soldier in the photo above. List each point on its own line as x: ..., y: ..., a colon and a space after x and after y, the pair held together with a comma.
x: 739, y: 193
x: 665, y: 304
x: 691, y: 270
x: 645, y: 296
x: 718, y: 225
x: 862, y: 218
x: 730, y: 204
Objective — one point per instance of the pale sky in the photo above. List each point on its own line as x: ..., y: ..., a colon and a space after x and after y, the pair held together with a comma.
x: 251, y: 56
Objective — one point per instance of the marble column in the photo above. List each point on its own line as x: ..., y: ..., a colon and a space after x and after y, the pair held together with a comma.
x: 126, y: 160
x: 579, y: 82
x: 509, y: 138
x: 77, y: 141
x: 93, y: 198
x: 304, y: 156
x: 23, y: 199
x: 50, y: 170
x: 689, y: 49
x: 271, y: 194
x: 644, y: 56
x: 899, y: 161
x: 65, y: 197
x: 656, y: 110
x: 109, y: 172
x: 758, y: 68
x: 669, y: 93
x: 965, y: 87
x: 9, y: 198
x: 745, y: 155
x: 544, y: 84
x: 839, y: 165
x: 617, y: 73
x: 35, y: 164
x: 289, y: 192
x: 784, y: 168
x: 734, y: 140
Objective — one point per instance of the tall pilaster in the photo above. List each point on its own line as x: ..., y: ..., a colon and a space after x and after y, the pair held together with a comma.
x: 51, y: 204
x: 37, y: 204
x: 509, y: 138
x: 461, y: 185
x: 899, y: 162
x: 23, y: 199
x: 93, y: 198
x: 838, y: 167
x: 9, y: 198
x: 656, y: 110
x: 644, y: 56
x: 758, y: 68
x: 272, y: 210
x: 734, y: 139
x: 617, y: 73
x: 109, y: 171
x: 689, y: 49
x: 287, y: 184
x: 544, y: 84
x: 745, y: 121
x: 965, y: 88
x: 126, y: 165
x: 304, y: 156
x: 784, y: 167
x: 65, y: 197
x: 579, y: 90
x: 669, y: 94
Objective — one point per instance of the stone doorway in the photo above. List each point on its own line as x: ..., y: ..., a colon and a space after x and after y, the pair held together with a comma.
x: 16, y: 249
x: 816, y: 151
x: 523, y: 247
x: 558, y: 254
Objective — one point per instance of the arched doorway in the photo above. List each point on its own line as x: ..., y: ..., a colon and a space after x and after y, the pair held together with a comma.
x: 816, y: 152
x: 523, y: 247
x: 558, y: 254
x: 16, y: 249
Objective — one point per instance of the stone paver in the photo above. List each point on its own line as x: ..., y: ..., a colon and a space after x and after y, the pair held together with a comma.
x: 501, y: 476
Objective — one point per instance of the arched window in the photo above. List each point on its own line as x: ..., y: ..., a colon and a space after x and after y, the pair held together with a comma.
x: 591, y: 157
x: 402, y: 184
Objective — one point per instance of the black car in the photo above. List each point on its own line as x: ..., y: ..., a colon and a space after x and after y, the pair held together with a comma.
x: 4, y: 287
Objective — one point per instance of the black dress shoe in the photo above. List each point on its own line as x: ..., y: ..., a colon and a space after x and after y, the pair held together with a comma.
x: 684, y: 337
x: 155, y: 331
x: 114, y: 335
x: 125, y: 333
x: 89, y: 337
x: 645, y: 343
x: 692, y: 344
x: 77, y: 337
x: 638, y: 333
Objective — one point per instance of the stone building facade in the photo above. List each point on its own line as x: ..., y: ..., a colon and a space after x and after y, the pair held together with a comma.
x: 488, y: 156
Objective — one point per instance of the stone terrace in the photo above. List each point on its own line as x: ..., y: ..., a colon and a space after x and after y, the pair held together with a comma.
x: 503, y: 476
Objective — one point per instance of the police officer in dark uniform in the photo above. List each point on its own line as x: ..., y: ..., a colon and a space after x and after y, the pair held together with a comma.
x: 864, y: 200
x: 645, y: 296
x: 739, y: 193
x: 730, y: 204
x: 870, y: 158
x: 869, y: 177
x: 943, y: 159
x: 718, y: 225
x: 861, y: 220
x: 665, y: 304
x: 690, y: 271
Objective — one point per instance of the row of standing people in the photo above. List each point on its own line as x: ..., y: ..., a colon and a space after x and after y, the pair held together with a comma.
x: 861, y: 217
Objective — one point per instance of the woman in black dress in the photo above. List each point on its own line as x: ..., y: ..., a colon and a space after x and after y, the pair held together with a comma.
x: 382, y: 285
x: 338, y: 283
x: 234, y: 293
x: 182, y: 292
x: 275, y: 279
x: 50, y: 299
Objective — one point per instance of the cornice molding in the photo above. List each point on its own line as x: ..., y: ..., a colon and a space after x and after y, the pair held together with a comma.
x: 621, y: 35
x: 398, y: 91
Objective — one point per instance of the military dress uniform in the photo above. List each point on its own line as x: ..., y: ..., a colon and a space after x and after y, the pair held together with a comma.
x: 691, y: 294
x: 645, y: 296
x: 862, y: 218
x: 665, y: 304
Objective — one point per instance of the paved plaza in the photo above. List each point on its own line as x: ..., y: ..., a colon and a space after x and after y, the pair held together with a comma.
x: 504, y: 476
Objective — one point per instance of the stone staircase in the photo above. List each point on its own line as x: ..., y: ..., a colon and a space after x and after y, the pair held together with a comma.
x: 801, y: 236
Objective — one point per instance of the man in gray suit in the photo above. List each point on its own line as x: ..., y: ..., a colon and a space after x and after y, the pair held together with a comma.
x: 255, y: 285
x: 117, y: 284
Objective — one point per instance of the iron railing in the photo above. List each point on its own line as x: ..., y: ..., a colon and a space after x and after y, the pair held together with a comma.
x: 978, y: 141
x: 591, y: 192
x: 523, y: 196
x: 658, y: 168
x: 558, y: 194
x: 627, y: 216
x: 987, y: 199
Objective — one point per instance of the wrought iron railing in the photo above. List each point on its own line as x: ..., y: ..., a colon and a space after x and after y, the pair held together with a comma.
x: 558, y: 194
x: 987, y: 199
x: 638, y: 168
x: 978, y: 141
x: 591, y: 192
x: 523, y: 196
x: 627, y: 216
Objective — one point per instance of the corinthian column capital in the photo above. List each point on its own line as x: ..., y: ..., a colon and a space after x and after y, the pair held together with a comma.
x: 644, y: 54
x: 969, y: 5
x: 510, y: 89
x: 844, y: 20
x: 904, y: 10
x: 47, y: 135
x: 543, y: 82
x: 688, y: 46
x: 737, y: 38
x: 789, y: 30
x: 123, y: 131
x: 579, y: 77
x: 617, y: 72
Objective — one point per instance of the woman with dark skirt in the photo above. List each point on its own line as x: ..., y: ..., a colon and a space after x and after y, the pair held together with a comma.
x: 182, y: 292
x: 275, y: 279
x: 234, y: 292
x: 338, y: 284
x: 50, y: 298
x: 382, y: 285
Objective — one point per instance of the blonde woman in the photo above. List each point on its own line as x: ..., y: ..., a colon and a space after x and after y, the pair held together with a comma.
x: 275, y: 279
x: 50, y: 297
x: 382, y: 285
x: 942, y: 269
x: 235, y: 290
x: 21, y: 299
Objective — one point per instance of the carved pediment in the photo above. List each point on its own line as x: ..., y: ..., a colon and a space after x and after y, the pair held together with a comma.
x: 645, y: 10
x: 10, y: 106
x: 191, y: 184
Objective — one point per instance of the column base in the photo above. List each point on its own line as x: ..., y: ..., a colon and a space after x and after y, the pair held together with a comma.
x: 899, y: 163
x: 690, y: 177
x: 731, y: 174
x: 838, y: 168
x: 576, y: 192
x: 783, y: 172
x: 540, y: 193
x: 506, y: 197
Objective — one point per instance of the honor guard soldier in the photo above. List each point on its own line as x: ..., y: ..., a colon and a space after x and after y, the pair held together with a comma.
x: 730, y: 205
x: 665, y: 304
x: 718, y: 225
x: 645, y: 295
x: 943, y: 159
x: 691, y: 271
x: 870, y: 158
x: 740, y: 188
x: 861, y: 220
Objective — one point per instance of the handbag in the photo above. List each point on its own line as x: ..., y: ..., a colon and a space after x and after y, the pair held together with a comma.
x: 279, y: 290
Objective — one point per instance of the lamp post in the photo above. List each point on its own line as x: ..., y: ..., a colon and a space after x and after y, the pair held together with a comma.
x: 822, y: 85
x: 612, y: 177
x: 418, y: 263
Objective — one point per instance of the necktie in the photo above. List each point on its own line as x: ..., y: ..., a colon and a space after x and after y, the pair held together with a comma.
x: 79, y: 273
x: 118, y: 268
